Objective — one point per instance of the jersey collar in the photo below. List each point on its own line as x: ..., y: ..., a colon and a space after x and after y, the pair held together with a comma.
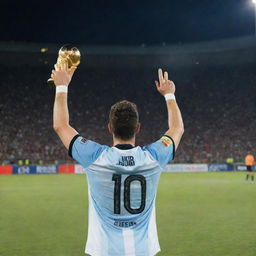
x: 124, y: 146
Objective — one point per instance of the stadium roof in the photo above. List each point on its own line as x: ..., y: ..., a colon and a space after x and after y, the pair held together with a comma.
x: 209, y: 46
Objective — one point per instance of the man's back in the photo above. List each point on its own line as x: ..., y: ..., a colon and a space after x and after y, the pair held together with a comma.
x: 122, y: 189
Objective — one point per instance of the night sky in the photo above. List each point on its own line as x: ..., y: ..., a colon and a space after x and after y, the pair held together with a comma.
x: 125, y: 22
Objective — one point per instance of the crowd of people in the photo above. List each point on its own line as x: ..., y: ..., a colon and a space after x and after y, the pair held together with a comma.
x: 217, y: 104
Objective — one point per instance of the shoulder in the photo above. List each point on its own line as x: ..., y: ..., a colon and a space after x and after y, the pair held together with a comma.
x: 162, y: 150
x: 85, y: 151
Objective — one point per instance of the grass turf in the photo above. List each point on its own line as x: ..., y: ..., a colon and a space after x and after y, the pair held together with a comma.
x: 198, y: 214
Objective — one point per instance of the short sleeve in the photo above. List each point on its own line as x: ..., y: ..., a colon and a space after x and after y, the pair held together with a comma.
x: 85, y: 151
x: 162, y: 150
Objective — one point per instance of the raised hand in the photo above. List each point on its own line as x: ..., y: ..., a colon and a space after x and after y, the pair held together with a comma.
x: 62, y: 75
x: 164, y: 85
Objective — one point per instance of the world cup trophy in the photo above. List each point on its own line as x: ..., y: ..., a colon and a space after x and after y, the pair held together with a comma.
x: 67, y: 54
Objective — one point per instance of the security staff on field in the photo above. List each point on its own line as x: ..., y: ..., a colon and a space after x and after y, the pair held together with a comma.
x: 249, y: 162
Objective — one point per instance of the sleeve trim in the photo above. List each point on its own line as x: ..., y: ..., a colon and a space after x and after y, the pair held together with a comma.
x: 71, y: 145
x: 174, y: 148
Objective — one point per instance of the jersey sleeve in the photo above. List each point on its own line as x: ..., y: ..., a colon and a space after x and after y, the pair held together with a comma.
x: 85, y: 151
x: 162, y: 150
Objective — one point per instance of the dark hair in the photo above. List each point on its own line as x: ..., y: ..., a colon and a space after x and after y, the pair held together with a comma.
x: 124, y: 118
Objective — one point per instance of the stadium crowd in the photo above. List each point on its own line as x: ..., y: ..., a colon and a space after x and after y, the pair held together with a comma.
x: 217, y: 103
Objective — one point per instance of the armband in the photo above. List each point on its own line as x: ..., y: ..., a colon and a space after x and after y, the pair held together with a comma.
x: 166, y: 140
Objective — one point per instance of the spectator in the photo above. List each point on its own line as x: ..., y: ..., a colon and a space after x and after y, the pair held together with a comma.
x: 217, y: 105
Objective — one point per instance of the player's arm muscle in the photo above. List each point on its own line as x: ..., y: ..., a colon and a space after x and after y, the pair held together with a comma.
x: 175, y: 122
x: 62, y: 76
x: 61, y: 119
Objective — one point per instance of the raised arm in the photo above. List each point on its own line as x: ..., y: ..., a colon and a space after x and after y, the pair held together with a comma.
x: 62, y: 77
x: 175, y: 122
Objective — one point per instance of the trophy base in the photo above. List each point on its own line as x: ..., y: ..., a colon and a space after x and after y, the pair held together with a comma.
x: 51, y: 84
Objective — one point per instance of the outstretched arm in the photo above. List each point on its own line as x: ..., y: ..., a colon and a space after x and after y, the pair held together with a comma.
x: 62, y: 77
x: 175, y: 122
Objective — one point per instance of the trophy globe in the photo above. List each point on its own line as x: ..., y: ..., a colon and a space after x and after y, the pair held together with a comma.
x: 68, y: 54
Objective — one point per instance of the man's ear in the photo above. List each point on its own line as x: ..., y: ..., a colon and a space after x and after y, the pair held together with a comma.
x: 110, y: 128
x: 138, y: 126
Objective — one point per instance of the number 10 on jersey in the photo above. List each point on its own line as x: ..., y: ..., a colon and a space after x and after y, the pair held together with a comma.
x: 117, y: 178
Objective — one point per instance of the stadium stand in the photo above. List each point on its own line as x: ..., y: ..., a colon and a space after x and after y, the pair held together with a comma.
x: 215, y: 91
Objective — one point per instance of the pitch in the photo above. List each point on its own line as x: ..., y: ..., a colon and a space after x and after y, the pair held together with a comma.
x: 203, y: 214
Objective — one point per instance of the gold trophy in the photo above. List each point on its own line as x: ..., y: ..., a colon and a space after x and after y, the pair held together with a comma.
x: 69, y: 54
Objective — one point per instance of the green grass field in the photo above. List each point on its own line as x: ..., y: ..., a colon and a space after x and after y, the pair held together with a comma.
x: 206, y: 214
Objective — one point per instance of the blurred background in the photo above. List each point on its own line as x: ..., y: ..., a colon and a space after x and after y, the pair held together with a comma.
x: 208, y: 47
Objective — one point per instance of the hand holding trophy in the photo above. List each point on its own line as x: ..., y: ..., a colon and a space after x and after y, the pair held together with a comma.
x: 67, y: 54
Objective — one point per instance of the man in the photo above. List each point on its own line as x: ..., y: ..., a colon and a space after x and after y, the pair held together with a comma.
x: 249, y: 162
x: 122, y: 179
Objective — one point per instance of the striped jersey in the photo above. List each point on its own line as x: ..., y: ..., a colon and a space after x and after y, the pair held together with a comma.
x: 122, y: 187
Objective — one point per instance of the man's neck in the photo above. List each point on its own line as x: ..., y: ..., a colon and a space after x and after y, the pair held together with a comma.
x: 117, y: 141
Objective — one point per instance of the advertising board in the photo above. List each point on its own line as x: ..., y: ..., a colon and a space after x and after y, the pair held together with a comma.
x: 46, y: 169
x: 221, y: 167
x: 242, y: 167
x: 66, y: 168
x: 5, y: 169
x: 186, y: 168
x: 79, y: 169
x: 24, y: 169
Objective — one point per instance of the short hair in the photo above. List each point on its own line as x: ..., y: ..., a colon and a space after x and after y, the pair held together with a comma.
x: 124, y: 118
